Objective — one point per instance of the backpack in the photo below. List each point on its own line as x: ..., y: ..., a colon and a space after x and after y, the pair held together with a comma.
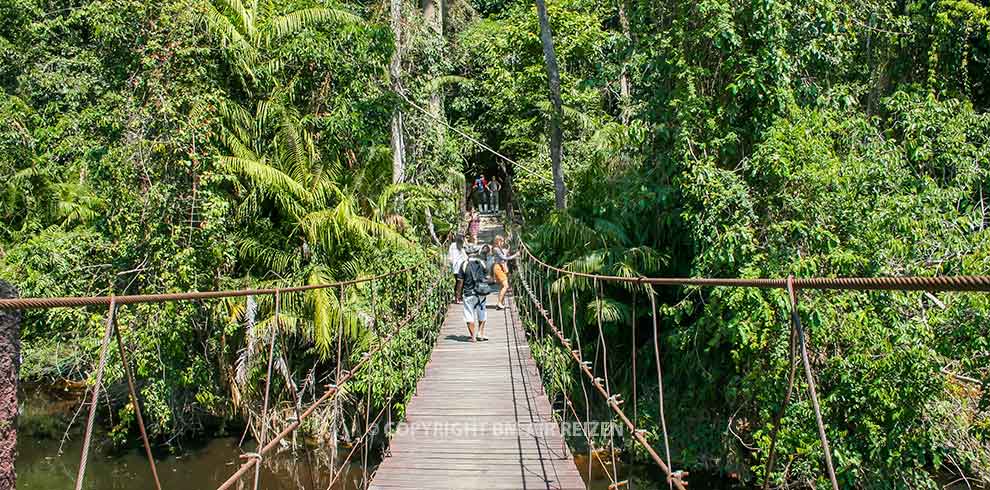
x: 474, y: 273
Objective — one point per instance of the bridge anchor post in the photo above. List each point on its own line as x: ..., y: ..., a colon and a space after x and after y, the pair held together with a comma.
x: 10, y: 363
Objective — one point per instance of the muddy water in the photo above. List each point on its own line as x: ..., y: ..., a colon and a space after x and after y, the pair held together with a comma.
x: 45, y: 461
x: 40, y: 467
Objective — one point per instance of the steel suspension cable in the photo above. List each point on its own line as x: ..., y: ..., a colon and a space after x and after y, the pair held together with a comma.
x: 600, y: 303
x: 675, y: 477
x: 635, y: 398
x: 580, y: 349
x: 656, y: 351
x: 268, y: 383
x: 94, y: 400
x: 137, y: 406
x: 330, y: 392
x: 803, y: 345
x: 778, y: 418
x: 896, y: 283
x: 361, y: 440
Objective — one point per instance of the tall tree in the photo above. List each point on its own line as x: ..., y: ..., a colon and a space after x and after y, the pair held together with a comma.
x: 398, y: 145
x: 557, y: 111
x: 434, y: 29
x: 624, y: 88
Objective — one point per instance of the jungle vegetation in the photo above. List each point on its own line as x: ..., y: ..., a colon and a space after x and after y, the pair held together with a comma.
x: 204, y: 144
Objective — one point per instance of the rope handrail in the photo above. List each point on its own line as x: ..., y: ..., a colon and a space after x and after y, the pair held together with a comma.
x: 75, y: 301
x: 883, y: 283
x: 344, y: 377
x: 673, y: 476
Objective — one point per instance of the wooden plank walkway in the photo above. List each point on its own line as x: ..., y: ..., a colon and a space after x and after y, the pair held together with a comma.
x: 480, y: 418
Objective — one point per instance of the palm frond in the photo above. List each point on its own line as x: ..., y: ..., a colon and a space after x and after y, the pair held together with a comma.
x: 265, y: 177
x: 269, y: 258
x: 611, y: 311
x: 244, y: 17
x: 645, y: 259
x: 611, y: 231
x: 562, y: 231
x: 304, y: 18
x: 233, y: 42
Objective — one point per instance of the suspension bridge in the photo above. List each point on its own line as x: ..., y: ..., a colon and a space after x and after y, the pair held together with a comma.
x: 480, y: 417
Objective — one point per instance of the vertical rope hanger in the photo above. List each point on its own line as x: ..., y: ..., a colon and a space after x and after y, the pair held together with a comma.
x: 268, y: 384
x: 563, y: 389
x: 656, y: 353
x: 137, y: 405
x: 635, y: 398
x: 94, y: 400
x: 779, y: 416
x: 599, y: 303
x: 809, y: 375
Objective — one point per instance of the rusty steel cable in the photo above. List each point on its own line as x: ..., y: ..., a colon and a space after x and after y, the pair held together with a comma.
x: 613, y: 404
x: 599, y: 293
x: 331, y: 390
x: 635, y: 398
x: 268, y: 386
x: 75, y: 301
x: 94, y: 400
x: 584, y: 390
x: 364, y: 451
x: 900, y: 283
x: 361, y: 440
x: 803, y: 345
x: 591, y: 445
x: 779, y: 416
x: 137, y: 406
x: 656, y: 352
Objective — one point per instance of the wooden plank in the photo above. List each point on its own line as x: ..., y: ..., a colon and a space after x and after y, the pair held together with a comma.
x: 480, y: 418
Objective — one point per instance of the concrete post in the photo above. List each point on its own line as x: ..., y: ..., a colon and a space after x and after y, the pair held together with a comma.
x: 10, y: 363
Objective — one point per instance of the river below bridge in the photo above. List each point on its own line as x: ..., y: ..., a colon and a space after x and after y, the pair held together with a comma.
x: 45, y: 461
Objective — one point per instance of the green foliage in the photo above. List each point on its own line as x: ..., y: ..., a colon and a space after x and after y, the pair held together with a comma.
x: 195, y: 145
x: 823, y: 138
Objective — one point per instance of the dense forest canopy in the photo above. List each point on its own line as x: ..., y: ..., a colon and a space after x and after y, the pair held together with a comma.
x: 205, y: 144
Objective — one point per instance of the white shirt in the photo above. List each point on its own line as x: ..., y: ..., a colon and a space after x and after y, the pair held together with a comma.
x: 455, y: 257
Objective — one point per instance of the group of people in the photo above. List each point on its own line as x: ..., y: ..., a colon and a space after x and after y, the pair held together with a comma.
x: 485, y: 194
x: 474, y: 266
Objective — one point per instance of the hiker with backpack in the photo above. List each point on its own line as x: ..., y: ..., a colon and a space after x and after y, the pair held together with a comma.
x: 474, y: 273
x: 480, y: 193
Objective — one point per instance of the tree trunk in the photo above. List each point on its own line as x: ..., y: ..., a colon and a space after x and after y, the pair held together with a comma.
x: 431, y: 228
x: 443, y: 17
x: 430, y: 12
x: 395, y: 68
x: 557, y: 110
x: 624, y: 88
x: 434, y: 26
x: 10, y: 362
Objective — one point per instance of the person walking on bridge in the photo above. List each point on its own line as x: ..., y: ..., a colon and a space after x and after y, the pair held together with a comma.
x: 456, y: 255
x: 501, y: 268
x: 475, y: 292
x: 474, y: 224
x: 493, y: 188
x: 478, y: 192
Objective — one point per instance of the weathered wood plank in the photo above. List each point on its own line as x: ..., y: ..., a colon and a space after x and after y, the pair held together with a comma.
x: 480, y: 418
